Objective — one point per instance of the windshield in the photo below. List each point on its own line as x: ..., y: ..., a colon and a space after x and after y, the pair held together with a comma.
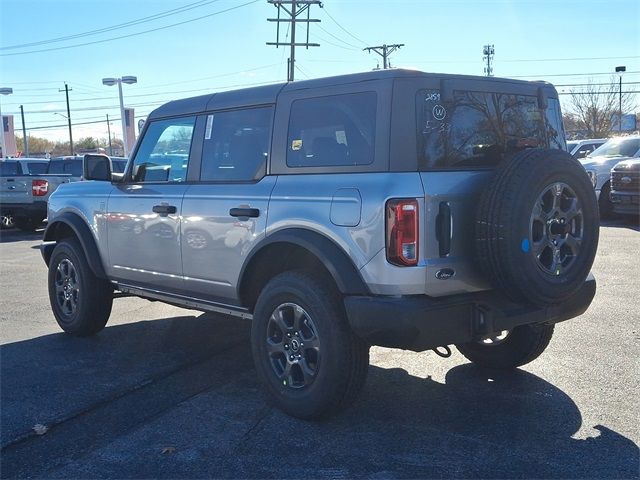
x: 618, y: 147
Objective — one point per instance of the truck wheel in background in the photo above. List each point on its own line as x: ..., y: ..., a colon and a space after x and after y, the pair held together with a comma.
x: 605, y: 205
x: 6, y: 222
x: 508, y: 349
x: 310, y: 362
x: 80, y: 301
x: 537, y: 227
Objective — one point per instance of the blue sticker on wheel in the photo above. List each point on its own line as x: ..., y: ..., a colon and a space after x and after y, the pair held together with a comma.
x: 524, y: 246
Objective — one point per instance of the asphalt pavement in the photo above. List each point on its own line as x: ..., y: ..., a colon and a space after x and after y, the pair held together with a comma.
x: 165, y: 392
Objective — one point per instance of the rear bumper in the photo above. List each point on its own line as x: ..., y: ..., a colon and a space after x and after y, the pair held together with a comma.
x: 35, y: 209
x: 419, y: 323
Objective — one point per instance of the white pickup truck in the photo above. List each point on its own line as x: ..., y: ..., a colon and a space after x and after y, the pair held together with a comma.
x: 24, y: 191
x: 599, y: 163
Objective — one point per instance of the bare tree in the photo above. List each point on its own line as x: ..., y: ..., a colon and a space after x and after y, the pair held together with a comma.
x: 595, y: 108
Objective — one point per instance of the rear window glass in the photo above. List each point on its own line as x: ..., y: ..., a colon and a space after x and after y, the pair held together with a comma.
x: 476, y: 129
x: 37, y: 168
x: 9, y: 169
x: 336, y: 130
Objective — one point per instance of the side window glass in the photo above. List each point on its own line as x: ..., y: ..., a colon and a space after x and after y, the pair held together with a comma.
x: 37, y: 168
x: 236, y: 145
x: 164, y: 151
x: 336, y: 130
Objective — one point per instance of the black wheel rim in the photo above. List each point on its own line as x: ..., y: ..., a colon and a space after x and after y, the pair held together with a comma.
x: 556, y: 229
x: 67, y: 287
x: 293, y: 346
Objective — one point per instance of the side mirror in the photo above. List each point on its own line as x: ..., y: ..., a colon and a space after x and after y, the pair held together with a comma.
x: 97, y: 167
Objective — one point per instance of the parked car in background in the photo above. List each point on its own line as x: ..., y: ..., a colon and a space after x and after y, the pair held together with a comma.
x: 582, y: 148
x: 10, y: 169
x: 600, y: 162
x: 24, y: 196
x: 625, y: 187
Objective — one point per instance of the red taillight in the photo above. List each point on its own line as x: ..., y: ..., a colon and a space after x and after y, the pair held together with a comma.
x: 402, y: 232
x: 39, y: 188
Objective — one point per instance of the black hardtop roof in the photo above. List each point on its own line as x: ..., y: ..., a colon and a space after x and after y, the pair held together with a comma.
x: 268, y: 94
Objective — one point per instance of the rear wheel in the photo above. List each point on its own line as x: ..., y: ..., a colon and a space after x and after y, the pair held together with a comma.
x: 80, y: 301
x: 510, y: 348
x: 308, y: 359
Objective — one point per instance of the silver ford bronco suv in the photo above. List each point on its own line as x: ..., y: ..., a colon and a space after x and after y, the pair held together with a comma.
x: 394, y: 208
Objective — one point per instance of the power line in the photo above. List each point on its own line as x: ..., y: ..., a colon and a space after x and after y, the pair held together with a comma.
x: 132, y: 34
x: 324, y: 9
x: 338, y: 38
x: 138, y: 21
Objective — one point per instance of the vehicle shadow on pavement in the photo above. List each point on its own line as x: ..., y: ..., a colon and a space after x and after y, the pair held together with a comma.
x: 632, y: 223
x: 178, y: 398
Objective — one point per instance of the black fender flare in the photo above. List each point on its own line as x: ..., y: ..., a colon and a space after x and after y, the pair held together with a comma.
x: 335, y: 260
x: 82, y: 233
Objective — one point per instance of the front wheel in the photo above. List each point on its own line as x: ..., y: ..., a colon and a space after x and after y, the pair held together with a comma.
x: 308, y: 359
x: 80, y: 301
x: 510, y: 348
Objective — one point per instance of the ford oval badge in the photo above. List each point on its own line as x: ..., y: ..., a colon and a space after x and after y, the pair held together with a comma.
x: 445, y: 273
x: 626, y: 179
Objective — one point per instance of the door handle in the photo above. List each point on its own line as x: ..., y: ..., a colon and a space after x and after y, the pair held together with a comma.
x: 164, y: 210
x: 444, y: 230
x: 244, y: 212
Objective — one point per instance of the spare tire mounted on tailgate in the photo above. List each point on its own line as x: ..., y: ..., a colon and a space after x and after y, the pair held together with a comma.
x: 537, y: 226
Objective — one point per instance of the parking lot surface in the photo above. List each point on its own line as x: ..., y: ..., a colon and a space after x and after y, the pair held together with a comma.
x: 165, y: 392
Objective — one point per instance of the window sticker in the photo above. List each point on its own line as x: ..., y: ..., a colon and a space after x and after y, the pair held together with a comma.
x: 207, y: 133
x: 296, y: 145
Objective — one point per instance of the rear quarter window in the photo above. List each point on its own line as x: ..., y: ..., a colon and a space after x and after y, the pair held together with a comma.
x: 10, y: 169
x: 336, y: 130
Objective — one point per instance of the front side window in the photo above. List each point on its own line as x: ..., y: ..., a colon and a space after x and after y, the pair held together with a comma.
x: 236, y: 145
x: 337, y: 130
x: 164, y: 151
x: 478, y: 128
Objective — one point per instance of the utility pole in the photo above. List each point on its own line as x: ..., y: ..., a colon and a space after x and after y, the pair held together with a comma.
x: 488, y: 51
x: 66, y: 91
x: 293, y: 8
x: 620, y: 70
x: 24, y: 133
x: 109, y: 132
x: 384, y: 51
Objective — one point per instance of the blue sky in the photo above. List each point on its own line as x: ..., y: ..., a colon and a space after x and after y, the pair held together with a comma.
x: 566, y: 42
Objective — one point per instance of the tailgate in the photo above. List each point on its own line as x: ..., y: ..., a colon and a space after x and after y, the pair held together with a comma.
x: 15, y: 190
x: 448, y: 250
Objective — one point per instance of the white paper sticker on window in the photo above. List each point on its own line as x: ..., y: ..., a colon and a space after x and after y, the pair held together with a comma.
x: 207, y: 133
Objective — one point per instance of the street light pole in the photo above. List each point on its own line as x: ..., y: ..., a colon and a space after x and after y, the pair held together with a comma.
x: 128, y: 79
x: 109, y: 133
x: 620, y: 70
x: 3, y: 91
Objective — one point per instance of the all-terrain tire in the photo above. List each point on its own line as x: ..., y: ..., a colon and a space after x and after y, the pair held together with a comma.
x: 516, y: 249
x: 312, y: 311
x: 80, y: 301
x: 522, y: 345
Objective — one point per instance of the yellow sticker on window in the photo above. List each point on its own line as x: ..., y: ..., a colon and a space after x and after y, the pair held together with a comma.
x: 296, y: 145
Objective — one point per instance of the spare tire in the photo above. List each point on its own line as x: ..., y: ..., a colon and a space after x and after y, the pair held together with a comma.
x: 537, y: 226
